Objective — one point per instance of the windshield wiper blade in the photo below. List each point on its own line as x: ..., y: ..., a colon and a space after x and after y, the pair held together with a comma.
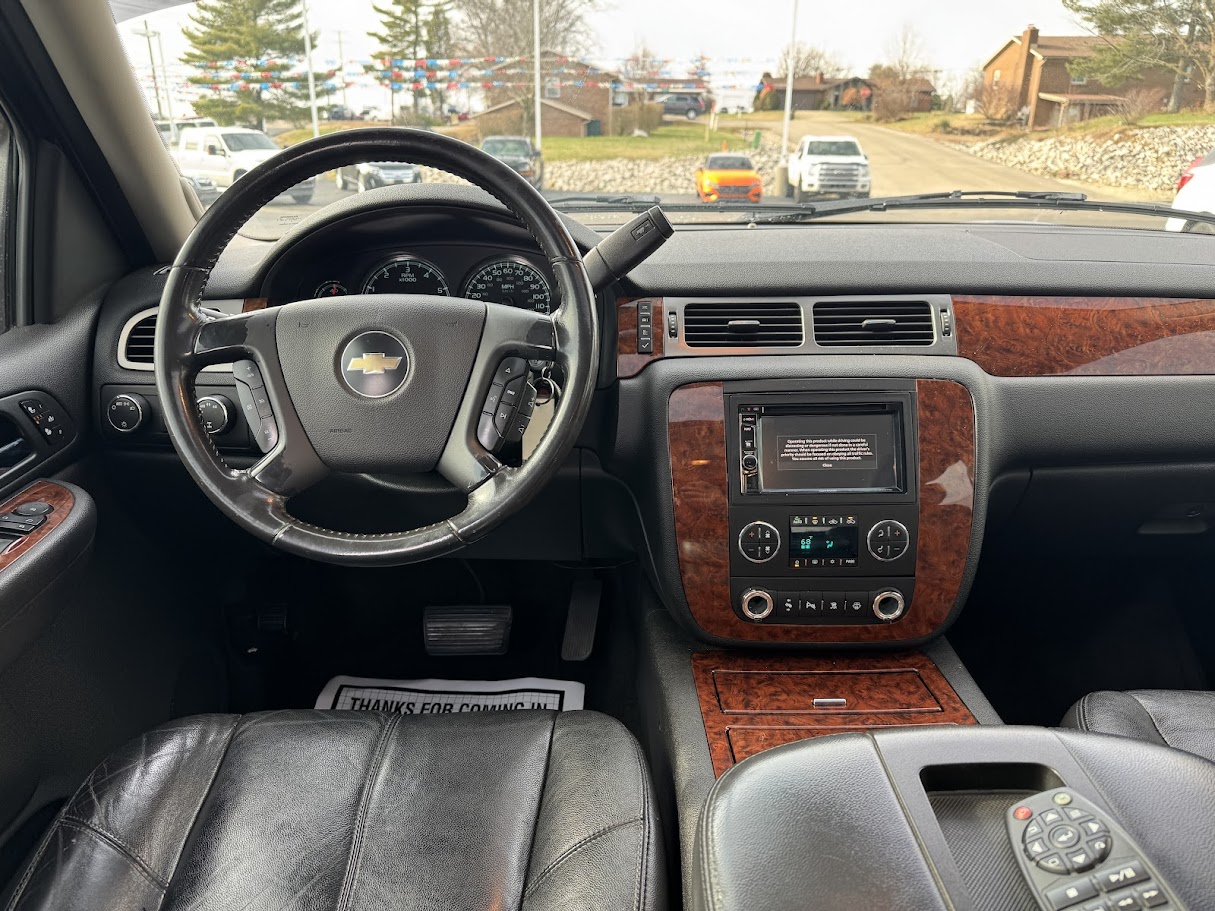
x: 634, y: 202
x: 982, y: 199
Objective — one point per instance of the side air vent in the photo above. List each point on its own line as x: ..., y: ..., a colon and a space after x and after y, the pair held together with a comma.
x: 878, y: 323
x: 758, y: 325
x: 138, y: 348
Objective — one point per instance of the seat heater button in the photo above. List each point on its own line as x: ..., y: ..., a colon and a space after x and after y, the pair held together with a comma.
x: 1071, y: 893
x: 1124, y: 873
x: 32, y: 407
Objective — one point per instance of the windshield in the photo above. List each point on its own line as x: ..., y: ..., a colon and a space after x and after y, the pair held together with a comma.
x: 839, y: 147
x: 243, y: 142
x: 624, y: 101
x: 516, y: 148
x: 730, y: 163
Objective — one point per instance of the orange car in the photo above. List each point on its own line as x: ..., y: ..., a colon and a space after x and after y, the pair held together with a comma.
x: 727, y: 177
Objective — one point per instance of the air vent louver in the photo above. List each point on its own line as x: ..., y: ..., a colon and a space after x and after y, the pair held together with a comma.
x: 767, y: 325
x: 876, y: 323
x: 140, y: 340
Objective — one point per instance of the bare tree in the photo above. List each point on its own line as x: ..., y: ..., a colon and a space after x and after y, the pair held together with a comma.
x: 901, y: 76
x: 642, y: 64
x: 808, y: 60
x: 997, y: 101
x: 1138, y: 103
x: 503, y: 28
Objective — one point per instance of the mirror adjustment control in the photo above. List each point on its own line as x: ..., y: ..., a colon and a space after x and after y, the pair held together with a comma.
x: 1075, y: 857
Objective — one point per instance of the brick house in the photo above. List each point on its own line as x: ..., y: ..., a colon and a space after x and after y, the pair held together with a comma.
x: 575, y: 97
x: 817, y: 93
x: 1032, y: 70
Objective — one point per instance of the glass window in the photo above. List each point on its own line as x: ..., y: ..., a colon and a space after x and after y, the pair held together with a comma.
x: 244, y: 142
x: 836, y: 147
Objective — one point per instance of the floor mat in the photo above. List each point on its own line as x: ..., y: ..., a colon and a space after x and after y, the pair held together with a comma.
x: 442, y: 697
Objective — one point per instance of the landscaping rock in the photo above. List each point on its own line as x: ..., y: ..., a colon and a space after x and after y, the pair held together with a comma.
x: 1148, y: 158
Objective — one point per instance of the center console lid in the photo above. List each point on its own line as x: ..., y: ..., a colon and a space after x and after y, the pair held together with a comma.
x: 941, y: 818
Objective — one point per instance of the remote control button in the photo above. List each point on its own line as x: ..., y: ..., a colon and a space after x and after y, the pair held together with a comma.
x: 1152, y: 896
x: 1051, y: 817
x: 1036, y: 848
x: 1033, y: 830
x: 1125, y: 901
x: 1100, y: 847
x: 1081, y: 860
x: 1124, y: 873
x: 1071, y: 893
x: 1064, y: 836
x: 1074, y: 813
x: 1091, y: 827
x: 1022, y: 813
x: 1053, y: 863
x: 1062, y: 798
x: 1096, y: 906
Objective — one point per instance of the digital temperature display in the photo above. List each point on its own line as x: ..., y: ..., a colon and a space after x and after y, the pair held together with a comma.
x: 814, y: 541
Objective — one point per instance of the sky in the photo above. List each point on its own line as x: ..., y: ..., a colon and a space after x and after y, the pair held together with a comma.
x: 955, y: 35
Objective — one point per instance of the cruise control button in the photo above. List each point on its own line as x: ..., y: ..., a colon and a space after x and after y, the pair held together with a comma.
x: 246, y: 372
x: 1053, y: 863
x: 1064, y: 836
x: 1070, y: 894
x: 1123, y: 874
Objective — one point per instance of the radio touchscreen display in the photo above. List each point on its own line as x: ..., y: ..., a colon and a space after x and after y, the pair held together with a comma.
x: 831, y: 451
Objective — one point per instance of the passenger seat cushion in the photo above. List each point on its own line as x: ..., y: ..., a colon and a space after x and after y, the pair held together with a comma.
x: 1183, y: 719
x: 358, y: 811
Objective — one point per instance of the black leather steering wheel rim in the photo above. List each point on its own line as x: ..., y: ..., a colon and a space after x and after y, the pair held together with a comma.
x: 188, y: 337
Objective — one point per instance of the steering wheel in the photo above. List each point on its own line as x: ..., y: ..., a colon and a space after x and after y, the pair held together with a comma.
x: 372, y: 383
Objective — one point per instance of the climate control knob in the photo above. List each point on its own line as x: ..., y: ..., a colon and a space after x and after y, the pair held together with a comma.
x: 759, y: 542
x: 889, y: 605
x: 756, y: 604
x: 750, y: 462
x: 215, y: 413
x: 127, y: 411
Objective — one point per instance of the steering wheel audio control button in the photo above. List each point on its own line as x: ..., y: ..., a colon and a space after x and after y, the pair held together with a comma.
x: 487, y: 434
x: 510, y: 368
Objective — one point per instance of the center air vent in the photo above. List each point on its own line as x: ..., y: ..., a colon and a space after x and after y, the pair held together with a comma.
x: 886, y: 323
x: 766, y: 325
x: 138, y: 347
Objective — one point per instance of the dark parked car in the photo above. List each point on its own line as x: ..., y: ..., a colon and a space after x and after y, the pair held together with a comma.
x: 683, y: 105
x: 520, y: 154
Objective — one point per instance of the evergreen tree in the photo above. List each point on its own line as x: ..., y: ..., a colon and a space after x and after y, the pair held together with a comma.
x: 441, y: 44
x: 268, y: 36
x: 401, y: 37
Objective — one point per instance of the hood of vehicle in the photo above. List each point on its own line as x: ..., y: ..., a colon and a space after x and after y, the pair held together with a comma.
x: 253, y: 156
x: 837, y: 159
x: 731, y: 177
x: 515, y: 161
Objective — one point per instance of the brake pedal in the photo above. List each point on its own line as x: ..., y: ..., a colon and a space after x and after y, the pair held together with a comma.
x: 465, y: 629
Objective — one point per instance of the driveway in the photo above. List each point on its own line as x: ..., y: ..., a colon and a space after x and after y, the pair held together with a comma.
x: 905, y: 163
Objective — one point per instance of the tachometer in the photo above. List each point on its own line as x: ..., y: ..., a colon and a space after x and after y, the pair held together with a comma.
x: 406, y: 275
x: 510, y: 280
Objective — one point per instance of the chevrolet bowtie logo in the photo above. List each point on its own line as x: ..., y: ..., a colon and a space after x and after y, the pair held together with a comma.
x: 373, y: 363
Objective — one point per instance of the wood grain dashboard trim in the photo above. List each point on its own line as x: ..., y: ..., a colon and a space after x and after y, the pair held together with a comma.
x: 781, y: 681
x: 1086, y: 336
x: 628, y: 362
x: 697, y: 439
x: 57, y: 496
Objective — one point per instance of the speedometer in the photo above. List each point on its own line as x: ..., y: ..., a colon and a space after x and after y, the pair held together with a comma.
x: 406, y: 275
x: 510, y: 280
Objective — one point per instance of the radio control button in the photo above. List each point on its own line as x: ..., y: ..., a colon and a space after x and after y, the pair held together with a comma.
x: 888, y: 540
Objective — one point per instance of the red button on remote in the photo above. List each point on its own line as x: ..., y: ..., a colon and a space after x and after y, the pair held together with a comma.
x: 1023, y: 813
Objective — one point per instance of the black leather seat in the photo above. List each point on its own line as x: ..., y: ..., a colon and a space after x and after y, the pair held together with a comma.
x: 1184, y: 719
x: 354, y: 810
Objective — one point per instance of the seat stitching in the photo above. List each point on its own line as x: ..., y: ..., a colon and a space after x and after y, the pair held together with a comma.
x: 137, y: 863
x: 354, y: 862
x: 643, y: 779
x: 578, y: 846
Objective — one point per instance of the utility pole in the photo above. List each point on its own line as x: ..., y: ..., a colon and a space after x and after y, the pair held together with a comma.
x: 536, y: 56
x: 316, y: 126
x: 342, y: 72
x: 789, y: 77
x: 148, y: 33
x: 417, y: 32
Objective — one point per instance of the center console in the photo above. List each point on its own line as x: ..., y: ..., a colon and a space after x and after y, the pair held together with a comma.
x: 823, y: 510
x: 966, y: 818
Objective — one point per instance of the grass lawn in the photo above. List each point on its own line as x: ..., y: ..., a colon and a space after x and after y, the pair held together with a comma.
x: 669, y: 140
x: 291, y: 137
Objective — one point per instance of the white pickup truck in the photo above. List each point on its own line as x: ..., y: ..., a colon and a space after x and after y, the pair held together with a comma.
x: 828, y: 166
x: 225, y: 153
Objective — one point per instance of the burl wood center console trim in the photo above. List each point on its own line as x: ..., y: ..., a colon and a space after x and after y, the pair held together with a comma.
x: 697, y: 438
x: 60, y: 498
x: 628, y: 361
x: 751, y: 703
x: 1086, y: 336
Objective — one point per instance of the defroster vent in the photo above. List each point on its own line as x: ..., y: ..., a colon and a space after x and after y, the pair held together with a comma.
x: 884, y: 323
x: 743, y: 325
